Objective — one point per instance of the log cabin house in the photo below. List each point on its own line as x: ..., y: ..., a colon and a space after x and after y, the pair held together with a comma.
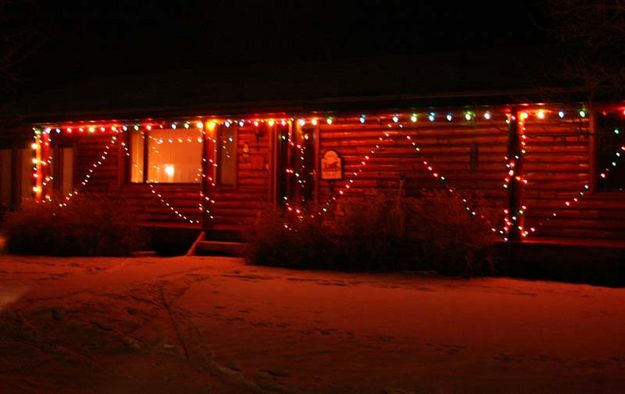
x: 210, y: 155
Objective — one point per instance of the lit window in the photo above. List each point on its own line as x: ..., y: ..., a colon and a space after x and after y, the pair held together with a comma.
x: 66, y: 170
x: 226, y: 159
x: 137, y: 146
x: 173, y: 156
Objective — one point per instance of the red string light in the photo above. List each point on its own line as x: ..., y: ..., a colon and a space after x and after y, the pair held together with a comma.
x: 115, y: 127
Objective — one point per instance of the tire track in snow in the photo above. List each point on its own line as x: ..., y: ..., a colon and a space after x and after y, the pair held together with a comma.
x: 189, y: 337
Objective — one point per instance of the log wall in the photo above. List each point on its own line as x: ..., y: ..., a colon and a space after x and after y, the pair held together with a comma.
x: 16, y: 169
x: 470, y: 154
x: 557, y: 165
x: 234, y: 208
x: 558, y: 168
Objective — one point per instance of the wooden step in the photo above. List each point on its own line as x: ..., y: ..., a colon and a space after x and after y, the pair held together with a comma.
x: 219, y: 248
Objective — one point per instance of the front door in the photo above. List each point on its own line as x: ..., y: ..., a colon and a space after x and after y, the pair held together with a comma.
x: 296, y: 163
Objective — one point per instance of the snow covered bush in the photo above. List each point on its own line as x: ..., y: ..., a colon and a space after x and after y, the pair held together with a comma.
x: 90, y: 225
x: 381, y: 232
x: 281, y: 239
x: 371, y: 235
x: 451, y: 240
x: 364, y: 235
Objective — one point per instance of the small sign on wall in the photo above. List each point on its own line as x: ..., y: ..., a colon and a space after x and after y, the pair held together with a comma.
x: 331, y: 166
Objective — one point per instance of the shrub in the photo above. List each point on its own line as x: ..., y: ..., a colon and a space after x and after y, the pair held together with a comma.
x: 91, y: 225
x: 379, y: 232
x: 370, y: 234
x: 280, y: 239
x: 451, y: 240
x: 365, y: 235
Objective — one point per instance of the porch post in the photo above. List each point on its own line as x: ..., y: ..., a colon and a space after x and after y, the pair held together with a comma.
x: 592, y: 149
x: 515, y: 181
x: 208, y: 178
x: 273, y: 151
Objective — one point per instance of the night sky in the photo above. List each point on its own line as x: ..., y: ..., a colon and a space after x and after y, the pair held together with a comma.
x: 82, y: 39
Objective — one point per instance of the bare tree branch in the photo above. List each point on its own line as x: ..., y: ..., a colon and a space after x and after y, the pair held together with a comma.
x: 594, y: 33
x: 18, y: 39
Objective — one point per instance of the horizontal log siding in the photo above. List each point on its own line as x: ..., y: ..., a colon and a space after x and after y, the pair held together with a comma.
x: 109, y: 179
x: 557, y: 166
x: 234, y: 208
x: 183, y: 197
x: 89, y: 149
x: 444, y: 145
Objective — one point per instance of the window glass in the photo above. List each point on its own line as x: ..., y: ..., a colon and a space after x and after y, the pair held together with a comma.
x: 226, y: 149
x: 67, y: 177
x: 137, y: 142
x: 26, y: 174
x: 174, y: 156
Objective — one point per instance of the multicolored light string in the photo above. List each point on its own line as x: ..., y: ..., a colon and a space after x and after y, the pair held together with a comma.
x: 174, y: 210
x: 90, y: 172
x: 513, y: 175
x: 92, y: 128
x: 570, y: 202
x: 159, y: 196
x: 347, y: 185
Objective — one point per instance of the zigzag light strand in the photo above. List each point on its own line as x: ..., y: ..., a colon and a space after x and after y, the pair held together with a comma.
x: 198, y: 122
x: 174, y: 210
x: 347, y: 186
x: 91, y: 128
x: 511, y: 219
x: 90, y: 172
x: 159, y: 196
x: 618, y: 156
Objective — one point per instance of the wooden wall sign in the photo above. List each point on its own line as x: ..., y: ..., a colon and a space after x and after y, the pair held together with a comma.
x: 331, y: 166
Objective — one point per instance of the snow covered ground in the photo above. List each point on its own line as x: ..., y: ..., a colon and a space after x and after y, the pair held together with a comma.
x: 203, y: 324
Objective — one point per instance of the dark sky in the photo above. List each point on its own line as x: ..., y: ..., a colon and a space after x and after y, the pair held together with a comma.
x: 84, y: 39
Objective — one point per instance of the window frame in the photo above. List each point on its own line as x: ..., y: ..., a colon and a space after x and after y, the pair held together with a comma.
x: 58, y: 166
x: 212, y: 151
x: 235, y: 157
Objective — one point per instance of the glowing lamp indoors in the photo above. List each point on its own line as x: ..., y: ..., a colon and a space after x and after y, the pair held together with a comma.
x: 170, y: 171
